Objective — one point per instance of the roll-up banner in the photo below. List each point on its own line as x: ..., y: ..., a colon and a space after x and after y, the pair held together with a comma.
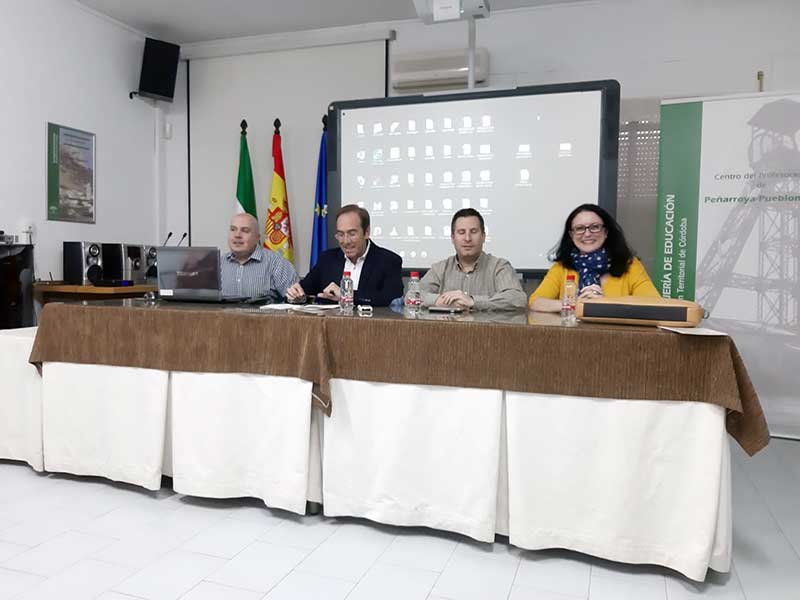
x: 728, y: 231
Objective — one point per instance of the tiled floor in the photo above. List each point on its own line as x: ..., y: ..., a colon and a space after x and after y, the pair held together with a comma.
x: 64, y: 538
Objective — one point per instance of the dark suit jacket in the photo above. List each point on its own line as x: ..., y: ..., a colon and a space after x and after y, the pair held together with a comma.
x: 381, y: 276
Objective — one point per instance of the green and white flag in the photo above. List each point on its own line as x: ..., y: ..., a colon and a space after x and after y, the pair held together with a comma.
x: 245, y: 190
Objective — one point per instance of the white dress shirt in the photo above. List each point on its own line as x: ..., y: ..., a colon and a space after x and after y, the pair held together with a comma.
x: 355, y: 269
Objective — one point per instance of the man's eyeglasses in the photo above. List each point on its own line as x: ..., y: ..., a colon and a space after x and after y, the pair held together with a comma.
x: 348, y: 235
x: 593, y: 228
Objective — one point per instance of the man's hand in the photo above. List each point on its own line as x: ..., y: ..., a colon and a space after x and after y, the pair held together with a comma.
x: 331, y: 292
x: 455, y: 298
x: 591, y: 291
x: 295, y: 293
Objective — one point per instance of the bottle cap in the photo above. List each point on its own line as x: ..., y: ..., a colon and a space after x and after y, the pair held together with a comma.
x: 346, y: 274
x: 570, y: 277
x: 414, y: 274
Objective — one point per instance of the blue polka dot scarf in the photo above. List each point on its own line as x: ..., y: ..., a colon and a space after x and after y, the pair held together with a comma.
x: 590, y: 267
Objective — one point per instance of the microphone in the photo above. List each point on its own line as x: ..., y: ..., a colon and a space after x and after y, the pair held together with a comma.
x: 169, y: 235
x: 183, y: 237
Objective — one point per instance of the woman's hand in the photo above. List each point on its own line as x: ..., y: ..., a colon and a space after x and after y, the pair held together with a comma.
x: 591, y: 291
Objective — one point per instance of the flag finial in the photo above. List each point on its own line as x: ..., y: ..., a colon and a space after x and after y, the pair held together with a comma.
x: 277, y: 124
x: 324, y: 122
x: 243, y: 125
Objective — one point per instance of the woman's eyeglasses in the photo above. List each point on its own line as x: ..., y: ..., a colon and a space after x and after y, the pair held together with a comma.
x: 593, y: 228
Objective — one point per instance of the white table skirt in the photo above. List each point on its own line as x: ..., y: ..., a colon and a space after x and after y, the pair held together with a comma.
x: 236, y: 435
x: 105, y: 421
x: 20, y: 399
x: 632, y: 481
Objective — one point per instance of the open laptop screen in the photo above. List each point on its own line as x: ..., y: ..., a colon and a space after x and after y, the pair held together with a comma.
x: 192, y: 272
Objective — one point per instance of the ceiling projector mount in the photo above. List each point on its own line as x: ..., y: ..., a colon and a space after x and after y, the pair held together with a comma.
x: 442, y: 11
x: 439, y: 11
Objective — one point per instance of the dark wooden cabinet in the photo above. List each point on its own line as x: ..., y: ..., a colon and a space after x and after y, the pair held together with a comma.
x: 16, y: 286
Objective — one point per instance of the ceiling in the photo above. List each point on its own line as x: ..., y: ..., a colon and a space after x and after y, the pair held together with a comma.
x: 186, y: 21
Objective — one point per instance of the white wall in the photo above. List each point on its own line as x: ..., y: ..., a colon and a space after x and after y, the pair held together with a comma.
x: 654, y: 48
x: 295, y: 86
x: 65, y: 65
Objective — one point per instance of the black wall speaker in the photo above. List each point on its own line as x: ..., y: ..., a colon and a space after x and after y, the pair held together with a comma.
x: 159, y: 69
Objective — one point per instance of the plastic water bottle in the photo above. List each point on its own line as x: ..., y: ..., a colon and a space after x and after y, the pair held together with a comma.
x: 346, y: 294
x: 568, y: 302
x: 413, y: 299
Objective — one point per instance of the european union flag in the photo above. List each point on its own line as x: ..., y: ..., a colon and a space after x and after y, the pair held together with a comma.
x: 319, y: 241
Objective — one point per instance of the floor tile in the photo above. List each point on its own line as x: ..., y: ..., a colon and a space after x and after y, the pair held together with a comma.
x: 554, y: 572
x: 57, y: 554
x: 348, y: 553
x: 81, y: 581
x: 13, y: 583
x: 525, y: 593
x: 419, y: 551
x: 170, y: 576
x: 479, y: 572
x: 43, y: 527
x: 302, y: 532
x: 206, y: 590
x: 138, y: 550
x: 226, y: 538
x: 258, y: 567
x: 389, y: 582
x: 626, y: 588
x: 9, y: 550
x: 307, y: 586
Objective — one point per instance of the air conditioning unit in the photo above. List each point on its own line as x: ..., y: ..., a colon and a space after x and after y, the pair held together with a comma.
x: 444, y: 68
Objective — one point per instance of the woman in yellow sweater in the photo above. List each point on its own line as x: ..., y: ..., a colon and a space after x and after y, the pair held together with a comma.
x: 593, y: 248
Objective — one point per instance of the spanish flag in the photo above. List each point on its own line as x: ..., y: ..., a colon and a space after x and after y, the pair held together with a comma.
x: 278, y: 228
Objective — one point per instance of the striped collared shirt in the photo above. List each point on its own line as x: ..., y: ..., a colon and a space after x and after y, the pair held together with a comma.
x: 263, y: 272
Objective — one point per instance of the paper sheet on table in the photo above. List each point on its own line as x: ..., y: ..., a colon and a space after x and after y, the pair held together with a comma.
x: 693, y: 330
x: 283, y: 306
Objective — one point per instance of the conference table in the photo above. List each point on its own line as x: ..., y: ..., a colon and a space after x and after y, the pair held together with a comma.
x: 608, y: 440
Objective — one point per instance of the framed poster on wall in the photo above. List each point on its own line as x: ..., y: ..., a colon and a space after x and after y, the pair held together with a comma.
x: 70, y: 174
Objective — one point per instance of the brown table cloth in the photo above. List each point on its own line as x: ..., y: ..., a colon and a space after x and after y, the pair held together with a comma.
x: 515, y: 352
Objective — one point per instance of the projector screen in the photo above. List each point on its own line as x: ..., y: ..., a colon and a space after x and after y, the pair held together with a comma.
x: 523, y: 158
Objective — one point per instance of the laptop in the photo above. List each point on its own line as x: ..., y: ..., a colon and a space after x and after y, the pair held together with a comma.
x: 192, y: 274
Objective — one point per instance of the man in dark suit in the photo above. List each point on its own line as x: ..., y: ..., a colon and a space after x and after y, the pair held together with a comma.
x: 375, y: 271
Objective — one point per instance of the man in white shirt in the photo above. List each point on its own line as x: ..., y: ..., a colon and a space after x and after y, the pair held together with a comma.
x: 375, y: 271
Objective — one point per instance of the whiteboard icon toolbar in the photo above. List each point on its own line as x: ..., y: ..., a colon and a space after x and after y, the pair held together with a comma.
x: 564, y: 149
x: 394, y: 206
x: 413, y: 252
x: 447, y: 177
x: 410, y: 204
x: 410, y: 179
x: 445, y: 230
x: 361, y: 180
x: 486, y: 175
x: 447, y: 123
x: 486, y: 121
x: 484, y: 202
x: 466, y: 149
x: 485, y: 149
x: 394, y: 179
x: 428, y: 151
x: 361, y: 155
x: 447, y: 204
x: 465, y: 203
x: 524, y: 149
x: 394, y: 127
x: 466, y: 176
x: 447, y: 150
x: 394, y: 152
x: 360, y: 204
x: 428, y: 230
x: 377, y: 206
x: 466, y: 122
x: 377, y: 129
x: 412, y: 152
x: 428, y: 204
x: 428, y: 124
x: 524, y: 175
x: 409, y: 230
x: 377, y: 231
x: 359, y: 129
x: 412, y: 125
x: 377, y: 154
x: 393, y: 232
x: 428, y: 177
